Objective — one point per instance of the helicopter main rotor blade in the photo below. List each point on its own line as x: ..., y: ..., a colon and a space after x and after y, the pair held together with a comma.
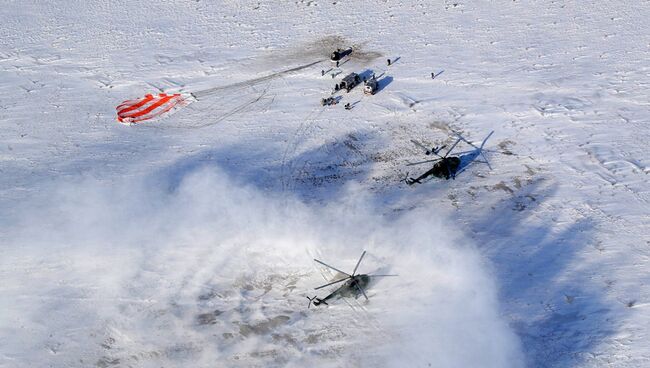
x: 331, y: 283
x: 358, y: 262
x: 335, y: 269
x: 438, y: 149
x: 362, y: 292
x: 422, y: 162
x: 472, y: 144
x: 382, y: 275
x: 452, y: 147
x: 464, y: 140
x: 421, y: 146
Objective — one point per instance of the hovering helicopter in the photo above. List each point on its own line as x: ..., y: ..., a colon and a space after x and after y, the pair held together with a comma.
x: 353, y: 287
x: 445, y: 166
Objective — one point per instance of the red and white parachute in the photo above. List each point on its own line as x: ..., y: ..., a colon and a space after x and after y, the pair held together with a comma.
x: 151, y: 107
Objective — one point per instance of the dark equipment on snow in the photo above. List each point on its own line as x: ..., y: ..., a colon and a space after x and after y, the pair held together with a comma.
x: 340, y: 54
x: 350, y: 81
x: 329, y: 101
x: 354, y: 285
x: 371, y: 86
x: 444, y: 166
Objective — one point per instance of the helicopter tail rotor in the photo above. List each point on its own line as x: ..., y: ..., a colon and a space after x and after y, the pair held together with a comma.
x: 310, y: 301
x: 316, y: 301
x: 409, y: 180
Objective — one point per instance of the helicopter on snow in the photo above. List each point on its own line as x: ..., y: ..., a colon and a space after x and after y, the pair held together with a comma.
x: 339, y: 54
x: 444, y: 166
x: 354, y: 285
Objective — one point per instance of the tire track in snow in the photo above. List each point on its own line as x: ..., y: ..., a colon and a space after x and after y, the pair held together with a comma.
x: 252, y: 82
x: 293, y: 144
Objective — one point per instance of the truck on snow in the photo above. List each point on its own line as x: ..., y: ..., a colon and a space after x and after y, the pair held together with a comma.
x: 371, y: 86
x: 350, y: 81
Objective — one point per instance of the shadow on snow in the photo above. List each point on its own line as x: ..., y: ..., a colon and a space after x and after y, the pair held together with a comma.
x: 319, y: 173
x: 537, y: 261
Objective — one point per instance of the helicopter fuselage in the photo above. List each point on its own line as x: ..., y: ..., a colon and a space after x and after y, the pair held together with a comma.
x: 446, y: 167
x: 349, y: 289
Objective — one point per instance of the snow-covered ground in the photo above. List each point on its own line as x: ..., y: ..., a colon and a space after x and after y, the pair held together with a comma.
x: 188, y: 241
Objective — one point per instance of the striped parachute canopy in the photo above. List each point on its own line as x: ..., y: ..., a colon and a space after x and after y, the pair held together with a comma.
x: 150, y: 107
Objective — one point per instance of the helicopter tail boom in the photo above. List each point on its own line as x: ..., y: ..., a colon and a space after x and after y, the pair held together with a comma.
x: 316, y: 301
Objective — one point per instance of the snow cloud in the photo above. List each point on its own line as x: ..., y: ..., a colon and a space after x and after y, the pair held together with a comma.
x: 206, y: 272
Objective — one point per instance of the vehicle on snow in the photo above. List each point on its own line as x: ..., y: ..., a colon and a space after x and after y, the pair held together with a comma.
x: 371, y: 86
x: 339, y: 54
x: 350, y: 81
x: 328, y: 101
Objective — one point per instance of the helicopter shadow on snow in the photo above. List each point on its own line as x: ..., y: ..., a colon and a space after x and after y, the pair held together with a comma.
x: 467, y: 158
x: 366, y: 74
x: 535, y: 257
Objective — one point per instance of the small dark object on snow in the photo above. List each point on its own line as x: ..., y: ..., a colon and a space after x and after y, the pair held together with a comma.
x: 322, y: 72
x: 388, y: 62
x: 340, y: 54
x: 371, y: 86
x: 350, y: 81
x: 329, y: 101
x: 347, y: 106
x: 433, y: 75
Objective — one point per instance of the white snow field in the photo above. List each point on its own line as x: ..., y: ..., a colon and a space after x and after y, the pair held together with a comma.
x: 189, y: 241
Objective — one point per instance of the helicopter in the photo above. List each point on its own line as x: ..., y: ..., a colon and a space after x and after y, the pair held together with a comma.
x: 339, y: 54
x: 445, y: 166
x: 354, y: 285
